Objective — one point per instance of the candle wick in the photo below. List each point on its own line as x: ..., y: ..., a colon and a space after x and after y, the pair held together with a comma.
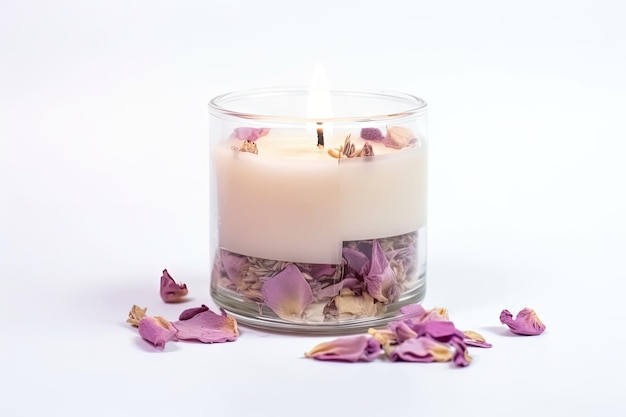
x: 320, y: 135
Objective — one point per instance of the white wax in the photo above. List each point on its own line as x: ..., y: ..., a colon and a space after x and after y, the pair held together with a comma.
x: 294, y: 202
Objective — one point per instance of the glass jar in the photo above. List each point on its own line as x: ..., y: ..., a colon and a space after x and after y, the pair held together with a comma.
x: 318, y: 220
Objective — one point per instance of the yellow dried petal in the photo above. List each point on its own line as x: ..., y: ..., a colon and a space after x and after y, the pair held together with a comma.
x: 135, y: 315
x: 474, y: 335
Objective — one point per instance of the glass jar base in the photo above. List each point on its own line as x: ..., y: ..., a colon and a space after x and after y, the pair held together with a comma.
x: 263, y: 319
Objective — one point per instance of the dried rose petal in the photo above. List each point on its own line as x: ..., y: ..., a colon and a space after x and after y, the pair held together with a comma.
x: 475, y: 339
x: 423, y: 349
x: 436, y: 314
x: 135, y: 315
x: 401, y: 330
x: 410, y: 311
x: 385, y: 336
x: 380, y: 281
x: 372, y: 133
x: 398, y: 137
x: 249, y: 133
x: 526, y: 323
x: 207, y: 327
x: 356, y: 260
x: 351, y: 306
x: 347, y: 349
x: 191, y: 312
x: 445, y: 332
x: 287, y: 293
x: 157, y: 331
x: 171, y: 292
x: 232, y: 265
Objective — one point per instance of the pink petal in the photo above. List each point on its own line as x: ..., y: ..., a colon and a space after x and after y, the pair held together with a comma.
x: 380, y: 281
x: 401, y: 330
x: 207, y: 327
x: 423, y: 349
x: 157, y: 331
x: 232, y: 265
x: 347, y: 349
x: 191, y: 312
x: 356, y: 260
x: 474, y: 339
x: 171, y: 292
x: 526, y: 323
x: 413, y: 311
x: 249, y: 133
x: 442, y: 331
x: 287, y: 293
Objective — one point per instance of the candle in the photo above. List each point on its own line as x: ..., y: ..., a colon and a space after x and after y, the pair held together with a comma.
x: 320, y: 219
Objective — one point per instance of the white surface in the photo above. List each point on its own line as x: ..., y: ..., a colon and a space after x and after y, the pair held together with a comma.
x: 104, y: 182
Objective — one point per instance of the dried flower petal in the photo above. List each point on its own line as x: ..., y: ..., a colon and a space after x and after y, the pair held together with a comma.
x: 526, y: 323
x: 402, y: 330
x: 380, y: 281
x: 233, y: 265
x: 171, y: 292
x: 475, y: 339
x: 385, y: 337
x: 410, y: 311
x: 347, y: 349
x: 156, y: 330
x: 287, y: 293
x: 372, y: 133
x: 350, y: 306
x: 423, y: 349
x: 445, y: 332
x: 398, y: 137
x: 249, y: 133
x: 207, y: 327
x: 135, y: 315
x: 356, y: 260
x: 191, y: 312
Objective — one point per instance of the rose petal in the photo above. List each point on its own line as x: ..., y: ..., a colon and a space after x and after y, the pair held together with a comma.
x: 401, y: 330
x: 191, y: 312
x: 232, y: 265
x: 351, y: 306
x: 475, y: 339
x: 442, y: 331
x: 526, y: 323
x: 398, y: 137
x: 156, y: 330
x: 347, y: 349
x: 249, y: 133
x: 171, y: 292
x: 423, y: 349
x: 207, y: 327
x: 380, y: 280
x: 372, y: 133
x: 413, y: 311
x: 287, y: 293
x: 135, y: 315
x: 356, y: 260
x: 461, y: 355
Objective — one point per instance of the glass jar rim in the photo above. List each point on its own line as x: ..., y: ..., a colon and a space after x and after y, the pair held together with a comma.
x: 414, y: 106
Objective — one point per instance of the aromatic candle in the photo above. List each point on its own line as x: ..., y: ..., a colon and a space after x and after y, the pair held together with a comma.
x: 319, y: 221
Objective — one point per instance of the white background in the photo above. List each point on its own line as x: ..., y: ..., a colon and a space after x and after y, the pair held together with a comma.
x: 104, y: 182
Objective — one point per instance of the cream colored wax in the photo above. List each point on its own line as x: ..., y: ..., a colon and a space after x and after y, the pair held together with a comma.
x: 294, y: 202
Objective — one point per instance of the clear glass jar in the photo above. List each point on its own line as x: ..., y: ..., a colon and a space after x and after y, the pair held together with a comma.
x: 318, y: 223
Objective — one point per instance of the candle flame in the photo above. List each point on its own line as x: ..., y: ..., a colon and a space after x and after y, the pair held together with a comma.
x: 319, y: 105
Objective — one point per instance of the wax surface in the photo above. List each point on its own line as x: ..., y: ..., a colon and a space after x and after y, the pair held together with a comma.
x: 294, y: 202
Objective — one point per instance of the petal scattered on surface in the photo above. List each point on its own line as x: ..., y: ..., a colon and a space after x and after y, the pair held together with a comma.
x: 191, y: 312
x: 157, y: 331
x: 401, y: 330
x: 135, y: 315
x: 207, y: 327
x: 347, y: 349
x: 475, y: 339
x: 423, y: 349
x: 171, y: 292
x: 287, y: 293
x: 527, y: 322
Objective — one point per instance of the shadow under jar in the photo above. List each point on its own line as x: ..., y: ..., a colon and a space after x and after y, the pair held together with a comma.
x: 318, y: 223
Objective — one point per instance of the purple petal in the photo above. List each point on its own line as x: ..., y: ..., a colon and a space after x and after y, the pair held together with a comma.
x: 191, y: 312
x: 442, y: 331
x: 329, y: 291
x: 207, y: 327
x: 526, y: 323
x: 380, y: 279
x: 347, y: 349
x: 411, y: 311
x: 171, y: 292
x: 156, y: 330
x: 372, y: 133
x: 461, y: 356
x: 318, y: 271
x: 423, y: 349
x: 356, y: 260
x: 475, y: 339
x: 249, y: 133
x: 232, y: 265
x: 287, y: 293
x: 401, y: 330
